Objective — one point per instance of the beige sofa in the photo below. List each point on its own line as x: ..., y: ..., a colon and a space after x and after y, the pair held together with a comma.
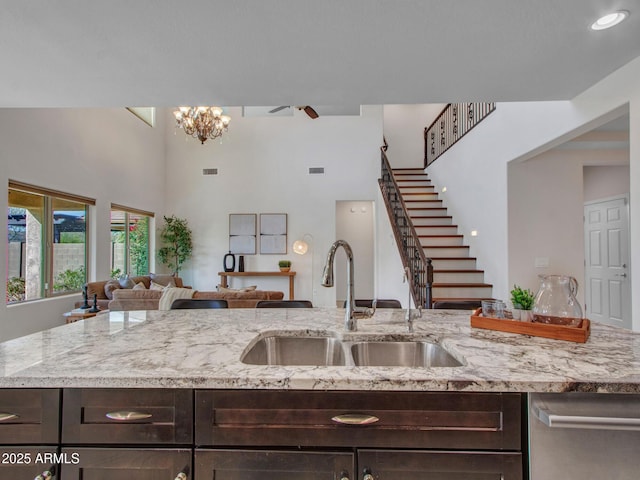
x: 111, y: 296
x: 149, y: 299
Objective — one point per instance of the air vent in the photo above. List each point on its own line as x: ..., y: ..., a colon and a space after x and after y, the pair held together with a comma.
x: 316, y: 170
x: 209, y: 171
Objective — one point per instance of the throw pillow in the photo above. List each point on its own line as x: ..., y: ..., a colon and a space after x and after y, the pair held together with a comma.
x: 156, y: 286
x: 109, y: 287
x: 163, y: 279
x: 139, y: 286
x: 126, y: 282
x: 230, y: 290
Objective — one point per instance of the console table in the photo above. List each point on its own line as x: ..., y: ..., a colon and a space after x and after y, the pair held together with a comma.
x: 291, y: 275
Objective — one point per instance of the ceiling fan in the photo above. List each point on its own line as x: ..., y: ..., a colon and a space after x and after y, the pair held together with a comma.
x: 307, y: 109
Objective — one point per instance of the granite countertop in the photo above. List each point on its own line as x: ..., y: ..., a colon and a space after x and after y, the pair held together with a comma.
x: 202, y: 349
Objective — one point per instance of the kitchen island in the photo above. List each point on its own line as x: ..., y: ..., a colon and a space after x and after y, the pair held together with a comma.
x: 202, y: 349
x: 165, y: 394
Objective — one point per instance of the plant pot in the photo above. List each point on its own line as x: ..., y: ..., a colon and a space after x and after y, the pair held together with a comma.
x: 285, y: 269
x: 526, y: 315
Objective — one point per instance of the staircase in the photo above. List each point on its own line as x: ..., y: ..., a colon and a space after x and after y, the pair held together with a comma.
x: 455, y: 276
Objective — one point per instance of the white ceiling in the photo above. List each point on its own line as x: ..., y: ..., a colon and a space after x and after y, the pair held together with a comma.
x: 305, y: 52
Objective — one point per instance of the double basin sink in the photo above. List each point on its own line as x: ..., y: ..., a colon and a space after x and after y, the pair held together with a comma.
x: 330, y: 351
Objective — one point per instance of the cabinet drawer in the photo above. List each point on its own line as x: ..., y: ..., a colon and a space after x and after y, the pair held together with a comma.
x: 115, y: 416
x: 273, y: 465
x: 441, y: 465
x: 27, y: 462
x: 29, y: 416
x: 487, y: 421
x: 125, y: 463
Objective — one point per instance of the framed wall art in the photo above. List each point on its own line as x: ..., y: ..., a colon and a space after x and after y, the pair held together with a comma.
x: 242, y: 233
x: 273, y: 233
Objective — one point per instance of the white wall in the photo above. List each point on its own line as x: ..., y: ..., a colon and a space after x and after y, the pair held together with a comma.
x: 105, y: 154
x: 546, y: 199
x: 354, y: 224
x: 263, y: 168
x: 605, y: 182
x: 404, y: 131
x: 518, y: 131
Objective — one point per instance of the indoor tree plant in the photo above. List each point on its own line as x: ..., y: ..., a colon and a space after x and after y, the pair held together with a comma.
x: 522, y: 301
x: 176, y: 237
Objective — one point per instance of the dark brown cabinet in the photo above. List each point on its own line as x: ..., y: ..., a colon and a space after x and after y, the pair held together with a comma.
x: 439, y: 436
x: 29, y: 416
x: 27, y: 462
x: 118, y: 434
x: 440, y: 465
x: 273, y: 465
x: 125, y: 464
x: 127, y: 416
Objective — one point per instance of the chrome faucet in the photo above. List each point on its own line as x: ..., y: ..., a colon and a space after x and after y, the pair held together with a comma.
x: 409, y: 315
x: 352, y: 312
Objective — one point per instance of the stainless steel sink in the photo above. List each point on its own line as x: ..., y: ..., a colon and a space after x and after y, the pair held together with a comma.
x: 291, y: 350
x: 402, y: 354
x: 282, y: 349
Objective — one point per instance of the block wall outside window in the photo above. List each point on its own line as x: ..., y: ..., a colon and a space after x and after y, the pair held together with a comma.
x: 47, y: 242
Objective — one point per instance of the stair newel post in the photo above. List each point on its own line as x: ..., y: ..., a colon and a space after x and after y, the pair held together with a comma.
x: 428, y: 285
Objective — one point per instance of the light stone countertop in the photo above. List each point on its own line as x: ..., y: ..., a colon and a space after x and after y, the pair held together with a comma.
x: 202, y: 349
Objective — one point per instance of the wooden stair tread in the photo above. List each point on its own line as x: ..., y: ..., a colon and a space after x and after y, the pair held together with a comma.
x: 455, y: 285
x: 457, y: 271
x: 455, y: 235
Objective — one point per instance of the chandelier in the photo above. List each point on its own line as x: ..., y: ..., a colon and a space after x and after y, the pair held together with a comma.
x: 202, y: 122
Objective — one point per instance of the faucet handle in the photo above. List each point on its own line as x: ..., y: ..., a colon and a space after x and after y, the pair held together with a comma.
x: 374, y: 304
x: 419, y: 311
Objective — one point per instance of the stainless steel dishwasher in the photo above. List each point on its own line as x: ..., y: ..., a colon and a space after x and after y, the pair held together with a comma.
x: 584, y: 436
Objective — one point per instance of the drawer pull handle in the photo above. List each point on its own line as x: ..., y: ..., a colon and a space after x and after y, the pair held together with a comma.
x: 184, y: 474
x: 355, y: 419
x: 344, y: 475
x: 4, y: 416
x: 125, y: 415
x: 47, y: 474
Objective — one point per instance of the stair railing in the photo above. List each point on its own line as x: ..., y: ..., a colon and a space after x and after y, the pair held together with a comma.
x: 453, y: 123
x: 411, y: 251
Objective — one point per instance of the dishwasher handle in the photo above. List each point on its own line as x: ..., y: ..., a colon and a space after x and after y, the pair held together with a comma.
x: 554, y: 420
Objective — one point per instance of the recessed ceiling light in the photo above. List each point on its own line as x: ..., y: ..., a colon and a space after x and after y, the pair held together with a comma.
x: 610, y: 20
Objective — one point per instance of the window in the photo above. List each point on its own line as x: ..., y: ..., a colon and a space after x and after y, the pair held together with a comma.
x: 47, y: 240
x: 129, y: 241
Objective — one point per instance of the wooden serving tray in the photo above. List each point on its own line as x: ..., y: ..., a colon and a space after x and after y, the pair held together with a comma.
x: 578, y: 334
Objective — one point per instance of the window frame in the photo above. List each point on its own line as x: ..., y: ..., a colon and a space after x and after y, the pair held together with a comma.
x: 128, y: 211
x: 47, y: 282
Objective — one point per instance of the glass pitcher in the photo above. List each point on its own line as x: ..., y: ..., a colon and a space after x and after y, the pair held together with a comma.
x: 556, y: 301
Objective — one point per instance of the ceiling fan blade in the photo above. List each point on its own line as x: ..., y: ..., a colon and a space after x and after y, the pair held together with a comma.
x: 277, y: 109
x: 310, y: 111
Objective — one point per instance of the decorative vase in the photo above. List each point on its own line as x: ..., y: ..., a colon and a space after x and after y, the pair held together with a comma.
x: 229, y: 262
x: 241, y: 263
x: 556, y: 301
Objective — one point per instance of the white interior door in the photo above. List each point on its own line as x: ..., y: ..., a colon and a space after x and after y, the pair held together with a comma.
x: 607, y: 281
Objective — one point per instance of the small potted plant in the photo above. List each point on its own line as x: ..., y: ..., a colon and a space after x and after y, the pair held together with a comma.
x: 522, y: 303
x: 285, y: 265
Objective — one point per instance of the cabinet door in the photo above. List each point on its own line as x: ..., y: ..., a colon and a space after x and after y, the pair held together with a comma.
x: 439, y: 465
x: 127, y: 416
x: 29, y: 416
x: 124, y: 463
x: 27, y: 462
x: 272, y: 465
